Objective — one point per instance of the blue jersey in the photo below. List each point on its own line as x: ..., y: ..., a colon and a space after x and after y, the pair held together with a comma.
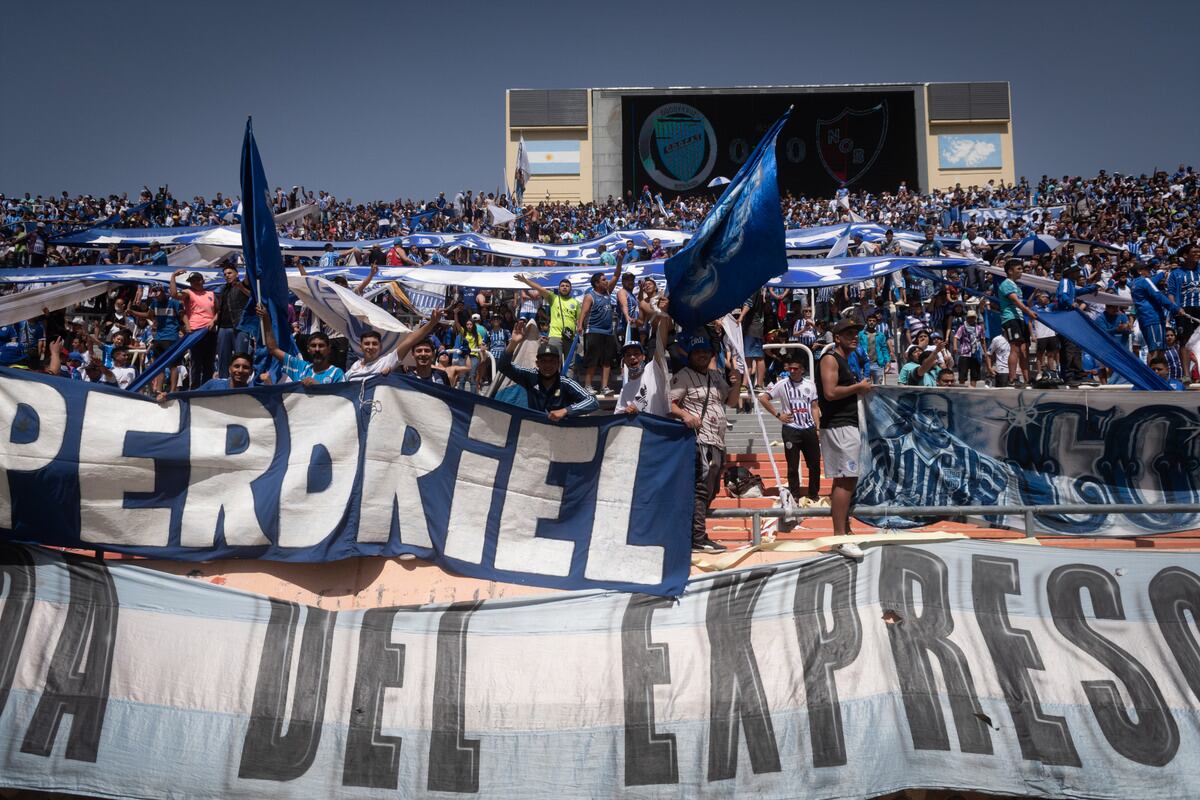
x: 1149, y: 302
x: 498, y: 341
x: 1183, y: 285
x: 600, y: 318
x: 297, y: 369
x: 1110, y: 326
x: 1067, y: 293
x: 1174, y: 364
x: 166, y: 319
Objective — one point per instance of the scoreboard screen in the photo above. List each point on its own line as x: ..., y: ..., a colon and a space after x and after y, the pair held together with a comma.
x: 676, y: 144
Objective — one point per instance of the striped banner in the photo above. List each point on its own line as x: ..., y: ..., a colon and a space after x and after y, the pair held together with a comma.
x: 966, y: 666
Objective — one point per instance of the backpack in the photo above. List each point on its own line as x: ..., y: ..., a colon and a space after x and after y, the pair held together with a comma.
x: 741, y: 482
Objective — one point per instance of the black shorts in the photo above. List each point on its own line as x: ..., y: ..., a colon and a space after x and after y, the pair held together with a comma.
x: 599, y: 349
x: 1048, y: 344
x: 1016, y: 331
x: 157, y: 348
x: 1184, y: 327
x: 968, y: 369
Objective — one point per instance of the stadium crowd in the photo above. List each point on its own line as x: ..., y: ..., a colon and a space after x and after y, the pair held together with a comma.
x: 1134, y: 236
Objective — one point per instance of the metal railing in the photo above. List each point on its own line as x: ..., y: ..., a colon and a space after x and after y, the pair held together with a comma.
x: 756, y: 515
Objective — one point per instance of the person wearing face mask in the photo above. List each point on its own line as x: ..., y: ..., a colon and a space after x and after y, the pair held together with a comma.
x: 645, y: 384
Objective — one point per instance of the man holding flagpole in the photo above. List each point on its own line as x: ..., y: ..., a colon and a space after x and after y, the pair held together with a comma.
x: 264, y: 261
x: 738, y: 247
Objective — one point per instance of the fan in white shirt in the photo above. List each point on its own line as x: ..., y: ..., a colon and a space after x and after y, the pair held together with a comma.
x: 372, y: 363
x: 646, y: 383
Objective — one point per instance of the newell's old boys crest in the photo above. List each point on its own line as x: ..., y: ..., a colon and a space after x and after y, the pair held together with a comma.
x: 677, y: 147
x: 850, y: 142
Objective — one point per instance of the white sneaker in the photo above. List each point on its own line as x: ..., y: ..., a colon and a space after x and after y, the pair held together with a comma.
x: 849, y: 550
x: 608, y: 391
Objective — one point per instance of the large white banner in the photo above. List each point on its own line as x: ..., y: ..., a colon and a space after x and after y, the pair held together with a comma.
x: 969, y: 666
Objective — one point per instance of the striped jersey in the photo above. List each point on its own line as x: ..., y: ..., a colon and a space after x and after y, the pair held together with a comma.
x: 1184, y: 286
x: 796, y: 398
x: 1174, y: 364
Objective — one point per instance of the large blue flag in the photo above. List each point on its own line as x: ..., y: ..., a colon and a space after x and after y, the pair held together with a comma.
x: 738, y: 247
x: 260, y: 244
x: 1083, y: 331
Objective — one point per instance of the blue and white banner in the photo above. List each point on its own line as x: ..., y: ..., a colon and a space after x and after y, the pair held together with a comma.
x: 228, y: 239
x: 824, y: 238
x: 1002, y: 214
x: 348, y: 313
x: 927, y: 447
x: 965, y: 666
x: 799, y: 241
x: 385, y: 467
x: 802, y: 273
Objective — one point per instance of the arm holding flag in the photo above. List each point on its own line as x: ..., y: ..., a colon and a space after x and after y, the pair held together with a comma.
x: 269, y: 335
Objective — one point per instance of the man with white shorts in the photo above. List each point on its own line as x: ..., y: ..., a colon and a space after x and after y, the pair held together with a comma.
x: 841, y: 440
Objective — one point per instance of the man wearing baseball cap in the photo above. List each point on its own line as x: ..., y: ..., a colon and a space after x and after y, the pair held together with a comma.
x: 546, y: 389
x: 200, y: 313
x: 646, y: 381
x: 838, y: 394
x: 698, y: 397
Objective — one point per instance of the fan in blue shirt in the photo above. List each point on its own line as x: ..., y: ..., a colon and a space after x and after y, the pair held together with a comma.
x: 1151, y: 306
x: 318, y: 370
x: 1068, y: 291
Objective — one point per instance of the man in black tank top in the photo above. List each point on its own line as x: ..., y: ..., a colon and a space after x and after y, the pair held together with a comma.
x: 841, y: 441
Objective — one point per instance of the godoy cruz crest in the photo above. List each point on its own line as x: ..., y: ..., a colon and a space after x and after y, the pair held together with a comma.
x: 677, y: 147
x: 849, y: 143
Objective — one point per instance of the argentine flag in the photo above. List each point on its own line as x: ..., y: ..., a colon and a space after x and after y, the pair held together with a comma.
x: 553, y: 157
x: 738, y: 247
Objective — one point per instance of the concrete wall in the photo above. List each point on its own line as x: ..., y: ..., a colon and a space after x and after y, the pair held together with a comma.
x: 601, y: 158
x: 557, y: 188
x: 937, y: 178
x: 606, y: 144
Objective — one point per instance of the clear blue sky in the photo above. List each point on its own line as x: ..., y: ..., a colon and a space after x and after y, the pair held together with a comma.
x: 400, y: 99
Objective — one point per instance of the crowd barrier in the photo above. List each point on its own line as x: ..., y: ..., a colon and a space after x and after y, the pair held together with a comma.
x: 756, y: 515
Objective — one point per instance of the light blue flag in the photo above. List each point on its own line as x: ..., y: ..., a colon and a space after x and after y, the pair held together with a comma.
x: 260, y: 244
x: 738, y: 247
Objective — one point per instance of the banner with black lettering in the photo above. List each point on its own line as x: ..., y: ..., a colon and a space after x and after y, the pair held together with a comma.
x: 931, y: 447
x: 1012, y: 670
x: 391, y: 466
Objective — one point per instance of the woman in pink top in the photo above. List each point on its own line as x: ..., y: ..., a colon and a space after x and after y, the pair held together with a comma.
x: 200, y: 312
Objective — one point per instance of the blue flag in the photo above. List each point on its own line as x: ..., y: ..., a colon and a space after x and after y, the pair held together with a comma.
x: 738, y: 247
x: 260, y: 245
x: 1102, y: 345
